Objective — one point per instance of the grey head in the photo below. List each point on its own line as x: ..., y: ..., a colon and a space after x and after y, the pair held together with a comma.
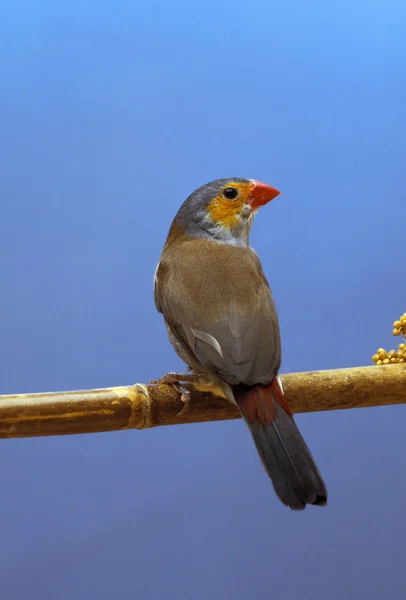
x: 220, y: 210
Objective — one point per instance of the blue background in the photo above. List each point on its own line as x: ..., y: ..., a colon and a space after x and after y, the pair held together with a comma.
x: 111, y: 114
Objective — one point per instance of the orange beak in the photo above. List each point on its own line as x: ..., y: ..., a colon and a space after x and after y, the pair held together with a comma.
x: 261, y: 194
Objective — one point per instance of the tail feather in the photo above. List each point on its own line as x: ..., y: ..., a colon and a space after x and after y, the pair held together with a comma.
x: 281, y: 447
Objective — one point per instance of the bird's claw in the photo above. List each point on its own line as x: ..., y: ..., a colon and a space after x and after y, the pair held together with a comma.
x: 185, y: 396
x: 181, y: 383
x: 175, y: 379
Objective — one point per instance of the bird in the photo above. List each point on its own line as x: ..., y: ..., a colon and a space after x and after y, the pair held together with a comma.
x: 222, y: 321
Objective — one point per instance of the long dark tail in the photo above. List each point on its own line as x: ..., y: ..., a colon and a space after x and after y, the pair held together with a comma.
x: 281, y: 447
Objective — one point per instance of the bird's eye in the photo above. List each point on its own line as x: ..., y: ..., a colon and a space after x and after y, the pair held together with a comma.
x: 230, y: 193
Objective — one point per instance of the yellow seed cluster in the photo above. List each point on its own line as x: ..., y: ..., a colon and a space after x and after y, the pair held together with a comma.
x: 399, y: 326
x: 382, y: 357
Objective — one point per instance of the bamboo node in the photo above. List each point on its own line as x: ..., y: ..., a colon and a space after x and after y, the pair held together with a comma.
x: 142, y: 389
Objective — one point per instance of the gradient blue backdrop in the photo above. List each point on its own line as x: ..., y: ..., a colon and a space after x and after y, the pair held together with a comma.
x: 111, y: 114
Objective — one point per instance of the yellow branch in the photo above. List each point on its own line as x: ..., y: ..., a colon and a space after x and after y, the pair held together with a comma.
x: 142, y: 406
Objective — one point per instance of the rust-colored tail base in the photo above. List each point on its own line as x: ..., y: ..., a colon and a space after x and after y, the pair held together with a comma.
x: 280, y: 445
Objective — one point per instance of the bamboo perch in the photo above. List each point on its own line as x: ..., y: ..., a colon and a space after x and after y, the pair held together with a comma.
x: 142, y: 406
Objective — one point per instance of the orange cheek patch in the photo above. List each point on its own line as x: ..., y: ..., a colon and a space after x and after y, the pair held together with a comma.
x: 224, y: 212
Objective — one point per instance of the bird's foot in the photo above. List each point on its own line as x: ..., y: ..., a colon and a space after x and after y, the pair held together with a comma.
x: 181, y: 383
x: 176, y: 379
x: 185, y: 395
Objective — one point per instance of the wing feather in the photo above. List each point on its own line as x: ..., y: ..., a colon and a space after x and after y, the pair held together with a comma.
x: 222, y: 312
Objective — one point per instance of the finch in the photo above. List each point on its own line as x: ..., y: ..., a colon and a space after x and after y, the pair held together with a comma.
x: 222, y: 321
